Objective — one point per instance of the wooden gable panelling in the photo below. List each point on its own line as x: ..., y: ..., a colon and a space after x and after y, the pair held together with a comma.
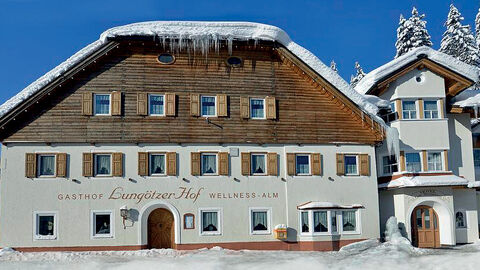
x: 301, y: 112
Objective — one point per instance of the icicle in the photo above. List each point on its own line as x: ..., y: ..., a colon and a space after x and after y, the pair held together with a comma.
x: 393, y: 142
x: 217, y: 44
x: 230, y: 45
x: 163, y: 42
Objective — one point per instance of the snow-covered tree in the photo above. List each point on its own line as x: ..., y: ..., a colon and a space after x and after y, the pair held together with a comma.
x: 412, y: 33
x: 458, y: 40
x: 333, y: 66
x: 354, y: 79
x: 477, y: 29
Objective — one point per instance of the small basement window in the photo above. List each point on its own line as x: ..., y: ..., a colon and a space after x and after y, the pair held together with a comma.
x: 166, y: 58
x: 234, y: 61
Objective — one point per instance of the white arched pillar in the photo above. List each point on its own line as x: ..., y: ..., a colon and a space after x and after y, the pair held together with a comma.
x: 143, y: 219
x: 445, y: 218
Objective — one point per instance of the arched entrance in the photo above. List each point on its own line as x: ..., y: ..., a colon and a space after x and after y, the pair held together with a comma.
x: 425, y: 227
x: 161, y: 229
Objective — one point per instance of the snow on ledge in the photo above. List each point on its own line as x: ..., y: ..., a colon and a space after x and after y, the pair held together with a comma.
x: 426, y: 181
x: 327, y: 205
x: 467, y: 98
x: 203, y: 32
x: 448, y: 61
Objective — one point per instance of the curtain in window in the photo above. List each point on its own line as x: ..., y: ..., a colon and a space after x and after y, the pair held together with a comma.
x: 209, y: 164
x: 305, y: 225
x: 320, y: 221
x: 460, y: 220
x: 434, y: 161
x: 156, y: 104
x: 208, y: 105
x: 103, y: 164
x: 351, y: 165
x: 302, y: 165
x: 47, y: 165
x: 102, y: 224
x: 413, y: 162
x: 409, y: 110
x: 259, y: 221
x: 430, y: 109
x: 45, y: 225
x: 209, y: 221
x: 349, y: 221
x: 102, y: 104
x: 157, y: 164
x: 257, y: 108
x: 258, y: 164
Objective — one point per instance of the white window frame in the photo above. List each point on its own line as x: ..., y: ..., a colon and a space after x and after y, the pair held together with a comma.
x: 164, y: 164
x: 269, y: 220
x: 421, y: 162
x: 345, y: 165
x: 95, y: 155
x: 441, y: 161
x: 465, y: 223
x: 95, y: 104
x: 266, y: 164
x: 201, y: 106
x: 54, y: 165
x: 425, y: 111
x: 264, y: 109
x: 410, y: 111
x: 93, y: 214
x: 155, y: 114
x: 201, y: 163
x: 309, y: 164
x: 339, y: 221
x: 358, y: 222
x: 309, y: 222
x: 219, y: 219
x: 36, y: 224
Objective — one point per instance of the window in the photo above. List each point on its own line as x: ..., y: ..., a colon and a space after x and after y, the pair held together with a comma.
x: 260, y: 220
x: 430, y: 109
x: 102, y: 224
x: 208, y: 106
x: 258, y: 164
x: 476, y: 157
x: 409, y: 110
x: 210, y: 221
x: 329, y: 222
x: 305, y: 223
x: 102, y: 104
x: 392, y: 106
x: 234, y: 61
x: 434, y: 161
x: 45, y: 225
x: 413, y: 162
x: 166, y: 58
x: 156, y: 105
x: 333, y: 219
x: 209, y: 164
x: 188, y: 221
x: 351, y: 167
x: 302, y: 164
x: 46, y: 165
x: 157, y: 164
x: 320, y: 221
x: 349, y: 221
x: 460, y: 219
x: 103, y: 165
x: 257, y: 108
x: 390, y: 164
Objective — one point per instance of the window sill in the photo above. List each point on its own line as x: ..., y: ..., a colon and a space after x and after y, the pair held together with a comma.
x: 420, y: 119
x: 102, y: 236
x: 260, y: 233
x: 210, y: 234
x: 52, y: 237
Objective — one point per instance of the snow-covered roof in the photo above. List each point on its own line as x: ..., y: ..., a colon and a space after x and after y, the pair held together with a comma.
x: 206, y: 33
x: 468, y: 98
x: 327, y: 205
x: 426, y: 181
x: 445, y: 60
x: 380, y: 103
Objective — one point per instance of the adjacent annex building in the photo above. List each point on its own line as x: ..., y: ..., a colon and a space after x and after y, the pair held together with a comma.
x: 194, y: 134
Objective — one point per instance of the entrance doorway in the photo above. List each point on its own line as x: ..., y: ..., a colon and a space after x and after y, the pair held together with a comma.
x: 425, y: 232
x: 161, y: 233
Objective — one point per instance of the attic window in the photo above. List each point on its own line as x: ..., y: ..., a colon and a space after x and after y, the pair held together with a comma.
x: 234, y: 61
x: 420, y: 78
x: 166, y: 58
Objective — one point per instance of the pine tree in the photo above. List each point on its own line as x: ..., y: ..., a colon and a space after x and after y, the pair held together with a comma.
x: 333, y: 66
x: 358, y: 77
x: 412, y: 33
x: 458, y: 40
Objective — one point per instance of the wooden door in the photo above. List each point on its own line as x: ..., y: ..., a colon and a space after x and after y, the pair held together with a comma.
x: 161, y: 232
x: 425, y: 227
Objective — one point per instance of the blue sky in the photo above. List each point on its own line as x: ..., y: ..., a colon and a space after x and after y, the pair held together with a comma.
x: 37, y: 35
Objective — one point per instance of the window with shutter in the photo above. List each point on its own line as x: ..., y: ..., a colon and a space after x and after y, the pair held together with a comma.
x: 223, y: 163
x: 271, y: 108
x: 170, y: 104
x: 30, y: 165
x: 61, y: 165
x: 246, y: 164
x: 116, y: 103
x: 142, y: 163
x: 245, y: 107
x: 117, y: 164
x: 172, y: 163
x: 340, y: 164
x: 87, y: 168
x: 195, y: 163
x: 194, y: 104
x: 222, y: 105
x: 142, y: 104
x: 290, y: 163
x: 272, y: 166
x: 87, y: 104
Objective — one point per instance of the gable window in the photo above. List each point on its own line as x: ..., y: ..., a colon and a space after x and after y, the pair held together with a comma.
x: 157, y: 164
x: 302, y: 162
x: 166, y: 58
x: 430, y: 109
x: 257, y: 108
x: 320, y: 221
x: 102, y: 222
x: 102, y: 104
x: 349, y: 221
x: 260, y: 221
x: 156, y: 104
x: 409, y: 110
x: 208, y: 105
x: 103, y: 164
x: 258, y: 164
x: 209, y: 164
x: 45, y: 225
x: 210, y: 221
x: 413, y: 162
x: 46, y: 165
x: 390, y: 164
x: 460, y: 220
x: 434, y: 161
x: 476, y: 157
x: 351, y: 167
